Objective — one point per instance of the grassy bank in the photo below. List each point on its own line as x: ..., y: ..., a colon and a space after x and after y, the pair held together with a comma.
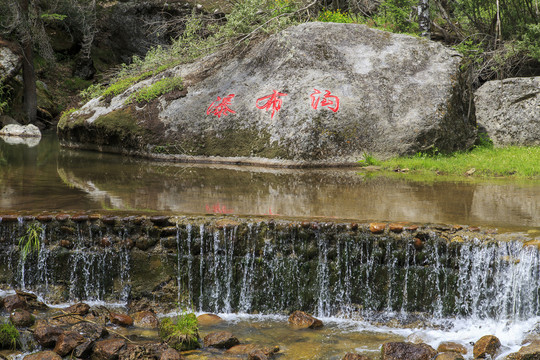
x: 514, y: 161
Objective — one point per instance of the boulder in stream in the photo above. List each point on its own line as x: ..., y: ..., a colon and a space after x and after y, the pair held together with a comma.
x: 108, y: 349
x: 314, y: 94
x: 221, y: 340
x: 43, y: 355
x: 300, y: 319
x: 407, y: 351
x: 487, y: 345
x: 353, y: 356
x: 21, y: 318
x: 46, y: 335
x: 21, y: 130
x: 529, y: 352
x: 146, y: 319
x: 67, y: 342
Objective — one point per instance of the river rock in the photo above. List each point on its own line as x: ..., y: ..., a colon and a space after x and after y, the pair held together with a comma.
x: 243, y: 349
x: 208, y: 319
x: 407, y: 351
x: 78, y: 309
x: 121, y: 319
x: 43, y: 355
x: 146, y: 319
x: 21, y: 318
x: 509, y: 111
x: 15, y: 301
x: 46, y: 335
x: 10, y: 61
x: 21, y: 130
x: 449, y: 346
x: 67, y: 342
x: 314, y: 94
x: 353, y: 356
x: 449, y: 356
x: 529, y: 352
x: 300, y: 319
x: 221, y: 340
x: 108, y: 349
x: 486, y: 346
x: 170, y: 354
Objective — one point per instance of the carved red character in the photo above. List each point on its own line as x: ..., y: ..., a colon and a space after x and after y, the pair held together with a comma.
x: 328, y: 100
x: 272, y: 102
x: 221, y: 108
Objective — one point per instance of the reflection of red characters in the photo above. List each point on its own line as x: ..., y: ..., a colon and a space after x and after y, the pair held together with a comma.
x: 328, y: 100
x: 273, y: 102
x: 221, y: 108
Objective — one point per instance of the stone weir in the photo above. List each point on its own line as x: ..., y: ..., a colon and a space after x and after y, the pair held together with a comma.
x: 262, y: 265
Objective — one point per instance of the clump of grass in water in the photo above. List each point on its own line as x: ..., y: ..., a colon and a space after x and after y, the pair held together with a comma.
x: 31, y: 241
x: 182, y: 335
x: 9, y: 336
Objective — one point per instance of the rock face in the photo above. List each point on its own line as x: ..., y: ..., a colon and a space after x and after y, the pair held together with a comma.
x: 314, y: 94
x: 509, y: 110
x: 407, y: 351
x: 10, y: 61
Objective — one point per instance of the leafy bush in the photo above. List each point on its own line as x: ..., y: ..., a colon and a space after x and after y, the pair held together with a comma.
x: 158, y: 88
x: 182, y: 335
x: 335, y: 16
x: 9, y: 336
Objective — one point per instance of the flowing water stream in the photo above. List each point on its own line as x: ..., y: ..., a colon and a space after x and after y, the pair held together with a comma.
x: 368, y: 290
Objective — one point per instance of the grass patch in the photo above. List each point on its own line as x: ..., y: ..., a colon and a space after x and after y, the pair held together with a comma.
x: 182, y: 335
x: 158, y: 88
x: 515, y: 161
x: 9, y: 336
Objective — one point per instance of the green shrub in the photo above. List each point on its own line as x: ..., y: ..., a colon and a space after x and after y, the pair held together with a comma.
x: 182, y: 335
x: 335, y: 16
x: 158, y: 88
x: 9, y: 336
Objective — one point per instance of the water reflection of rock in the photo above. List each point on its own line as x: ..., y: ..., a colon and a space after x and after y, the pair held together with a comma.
x: 15, y: 140
x: 301, y: 193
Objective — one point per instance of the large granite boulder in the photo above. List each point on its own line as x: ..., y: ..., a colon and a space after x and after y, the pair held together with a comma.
x: 509, y: 110
x: 314, y: 94
x: 10, y: 61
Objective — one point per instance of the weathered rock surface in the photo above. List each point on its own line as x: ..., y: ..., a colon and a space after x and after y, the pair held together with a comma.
x: 43, y: 355
x: 21, y: 130
x: 10, y: 61
x: 67, y: 342
x: 407, y: 351
x: 221, y: 340
x: 509, y: 110
x: 208, y: 319
x: 121, y: 319
x: 317, y: 93
x: 78, y: 309
x: 449, y: 356
x: 21, y: 318
x: 46, y: 335
x: 300, y: 319
x: 486, y: 346
x: 449, y: 346
x: 529, y: 352
x: 108, y: 349
x: 146, y: 319
x: 353, y: 356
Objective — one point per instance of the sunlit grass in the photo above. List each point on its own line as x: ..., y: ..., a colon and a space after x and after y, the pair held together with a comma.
x: 515, y: 161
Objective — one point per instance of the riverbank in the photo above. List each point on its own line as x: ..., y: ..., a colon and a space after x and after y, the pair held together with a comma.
x: 516, y: 162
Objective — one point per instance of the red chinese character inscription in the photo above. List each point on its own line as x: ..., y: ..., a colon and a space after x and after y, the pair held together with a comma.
x: 272, y: 102
x: 221, y: 108
x: 328, y: 100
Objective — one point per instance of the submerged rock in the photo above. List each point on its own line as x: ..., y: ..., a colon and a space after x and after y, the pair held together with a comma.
x: 300, y: 319
x: 317, y: 93
x: 486, y: 346
x: 221, y: 340
x: 407, y: 351
x: 353, y: 356
x: 209, y: 319
x: 509, y: 111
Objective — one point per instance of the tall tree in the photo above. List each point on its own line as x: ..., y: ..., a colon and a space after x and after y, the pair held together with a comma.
x: 423, y: 18
x: 29, y: 76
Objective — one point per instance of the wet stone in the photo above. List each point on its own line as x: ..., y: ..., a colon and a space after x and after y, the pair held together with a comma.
x: 160, y: 220
x: 486, y: 346
x: 170, y: 354
x: 208, y: 319
x: 12, y: 302
x: 353, y: 356
x: 43, y: 355
x: 67, y: 342
x: 377, y: 228
x: 109, y: 220
x: 449, y: 356
x: 407, y: 351
x: 79, y: 309
x: 146, y: 319
x: 301, y: 320
x: 21, y: 318
x: 46, y: 335
x: 80, y: 218
x: 396, y: 228
x: 45, y: 218
x: 448, y: 346
x: 529, y: 352
x: 62, y: 217
x: 221, y: 340
x: 9, y: 218
x: 121, y: 319
x: 108, y: 349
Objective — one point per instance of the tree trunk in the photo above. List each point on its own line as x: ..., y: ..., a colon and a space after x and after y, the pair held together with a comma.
x: 29, y: 76
x: 423, y: 17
